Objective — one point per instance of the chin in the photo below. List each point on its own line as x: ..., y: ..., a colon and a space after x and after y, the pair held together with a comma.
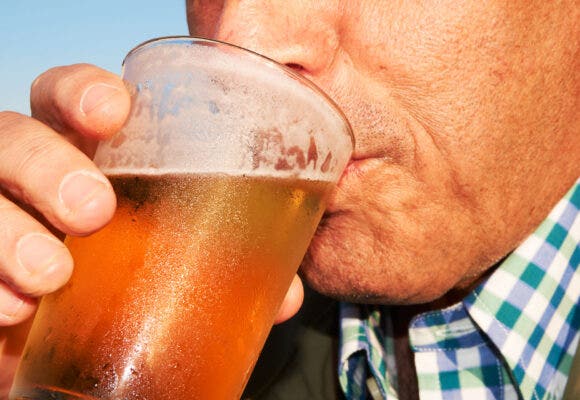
x: 346, y: 268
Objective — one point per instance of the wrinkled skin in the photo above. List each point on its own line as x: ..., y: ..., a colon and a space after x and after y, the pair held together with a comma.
x: 466, y: 121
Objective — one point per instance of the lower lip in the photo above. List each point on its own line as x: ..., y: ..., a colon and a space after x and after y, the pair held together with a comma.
x: 354, y: 171
x: 357, y: 168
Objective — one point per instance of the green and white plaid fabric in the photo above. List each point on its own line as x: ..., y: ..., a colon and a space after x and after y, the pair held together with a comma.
x: 513, y: 337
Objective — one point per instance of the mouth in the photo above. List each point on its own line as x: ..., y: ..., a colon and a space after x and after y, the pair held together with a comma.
x: 355, y: 168
x: 350, y: 180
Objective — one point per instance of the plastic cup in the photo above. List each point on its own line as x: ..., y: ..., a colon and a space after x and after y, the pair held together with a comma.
x: 221, y: 174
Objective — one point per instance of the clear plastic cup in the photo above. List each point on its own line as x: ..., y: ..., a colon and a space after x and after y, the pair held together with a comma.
x: 221, y: 174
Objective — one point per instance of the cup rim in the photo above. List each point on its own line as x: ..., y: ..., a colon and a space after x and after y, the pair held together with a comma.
x: 182, y: 39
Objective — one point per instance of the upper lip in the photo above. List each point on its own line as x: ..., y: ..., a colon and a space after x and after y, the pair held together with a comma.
x: 352, y: 168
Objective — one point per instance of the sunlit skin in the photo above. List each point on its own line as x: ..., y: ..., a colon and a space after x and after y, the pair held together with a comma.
x: 465, y: 116
x: 466, y: 123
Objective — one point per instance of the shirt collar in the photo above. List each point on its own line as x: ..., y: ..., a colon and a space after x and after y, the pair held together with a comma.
x: 528, y: 306
x: 527, y: 309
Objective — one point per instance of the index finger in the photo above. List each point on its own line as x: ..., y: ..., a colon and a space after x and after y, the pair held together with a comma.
x: 80, y: 98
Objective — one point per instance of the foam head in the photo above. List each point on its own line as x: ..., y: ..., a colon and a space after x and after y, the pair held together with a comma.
x: 200, y: 106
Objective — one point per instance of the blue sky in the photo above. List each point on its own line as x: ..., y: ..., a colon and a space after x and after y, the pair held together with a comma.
x: 37, y: 35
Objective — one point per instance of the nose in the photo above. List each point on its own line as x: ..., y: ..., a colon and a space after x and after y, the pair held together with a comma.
x: 278, y: 29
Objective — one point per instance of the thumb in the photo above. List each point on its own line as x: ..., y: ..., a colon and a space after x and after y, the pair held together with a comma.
x: 292, y: 301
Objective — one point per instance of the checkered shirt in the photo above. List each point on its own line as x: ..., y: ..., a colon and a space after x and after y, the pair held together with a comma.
x: 513, y: 337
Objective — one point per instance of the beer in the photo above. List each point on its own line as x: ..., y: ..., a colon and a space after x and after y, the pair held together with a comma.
x: 174, y: 298
x: 187, y: 277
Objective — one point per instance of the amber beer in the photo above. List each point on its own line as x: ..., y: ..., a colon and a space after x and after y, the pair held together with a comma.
x: 187, y: 277
x: 222, y: 171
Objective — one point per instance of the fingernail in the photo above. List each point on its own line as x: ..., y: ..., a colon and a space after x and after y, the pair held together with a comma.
x: 80, y: 191
x: 11, y: 305
x: 39, y: 253
x: 96, y: 95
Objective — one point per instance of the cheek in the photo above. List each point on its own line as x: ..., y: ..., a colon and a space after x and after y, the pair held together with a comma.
x: 392, y: 240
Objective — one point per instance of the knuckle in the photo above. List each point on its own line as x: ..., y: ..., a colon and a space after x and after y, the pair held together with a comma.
x: 29, y: 157
x: 33, y: 140
x: 35, y: 152
x: 21, y: 128
x: 24, y: 153
x: 57, y: 95
x: 41, y: 85
x: 67, y: 89
x: 53, y: 87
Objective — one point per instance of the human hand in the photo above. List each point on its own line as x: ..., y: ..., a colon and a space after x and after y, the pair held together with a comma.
x: 292, y: 301
x: 48, y: 188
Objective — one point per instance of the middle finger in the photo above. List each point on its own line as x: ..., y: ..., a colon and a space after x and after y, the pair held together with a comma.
x: 42, y: 169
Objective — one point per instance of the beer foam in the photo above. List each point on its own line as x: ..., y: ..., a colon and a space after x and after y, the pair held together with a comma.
x: 202, y: 107
x: 112, y: 172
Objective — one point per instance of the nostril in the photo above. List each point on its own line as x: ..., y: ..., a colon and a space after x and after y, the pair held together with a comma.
x: 296, y: 67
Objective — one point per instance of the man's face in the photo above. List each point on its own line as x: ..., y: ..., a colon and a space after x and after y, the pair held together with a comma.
x: 466, y: 127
